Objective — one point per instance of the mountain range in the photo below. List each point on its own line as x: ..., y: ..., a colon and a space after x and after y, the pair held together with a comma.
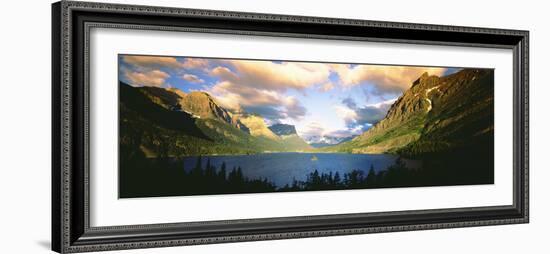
x: 319, y: 141
x: 434, y: 114
x: 168, y: 122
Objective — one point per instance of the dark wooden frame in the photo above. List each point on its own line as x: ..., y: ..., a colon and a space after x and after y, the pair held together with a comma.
x: 71, y: 22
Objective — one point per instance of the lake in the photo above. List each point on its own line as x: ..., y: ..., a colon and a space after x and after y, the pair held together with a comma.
x: 283, y: 168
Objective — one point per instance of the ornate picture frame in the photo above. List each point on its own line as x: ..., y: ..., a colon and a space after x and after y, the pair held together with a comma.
x: 71, y: 206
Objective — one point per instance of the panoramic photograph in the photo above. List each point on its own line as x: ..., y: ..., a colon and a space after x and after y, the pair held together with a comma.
x: 205, y: 126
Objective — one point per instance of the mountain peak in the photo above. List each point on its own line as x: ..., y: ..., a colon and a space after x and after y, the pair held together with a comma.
x: 256, y: 125
x: 283, y: 129
x: 200, y: 94
x: 179, y: 92
x: 425, y: 78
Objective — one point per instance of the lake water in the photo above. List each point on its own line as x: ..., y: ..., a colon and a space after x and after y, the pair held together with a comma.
x: 283, y: 168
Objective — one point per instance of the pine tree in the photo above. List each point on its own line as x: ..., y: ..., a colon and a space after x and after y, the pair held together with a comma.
x: 197, y: 171
x: 337, y: 179
x: 221, y: 173
x: 371, y: 176
x: 210, y: 171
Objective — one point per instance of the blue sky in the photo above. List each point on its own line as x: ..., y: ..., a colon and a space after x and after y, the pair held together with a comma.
x: 318, y: 98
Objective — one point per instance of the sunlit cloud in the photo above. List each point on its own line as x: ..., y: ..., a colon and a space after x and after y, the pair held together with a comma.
x: 273, y: 76
x: 195, y: 63
x: 257, y: 85
x: 327, y: 86
x: 385, y: 78
x: 269, y: 104
x: 153, y: 61
x: 347, y: 114
x: 224, y: 73
x: 192, y: 78
x: 150, y: 78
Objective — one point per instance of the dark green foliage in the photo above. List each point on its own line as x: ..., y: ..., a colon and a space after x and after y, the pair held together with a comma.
x: 460, y: 122
x: 141, y: 177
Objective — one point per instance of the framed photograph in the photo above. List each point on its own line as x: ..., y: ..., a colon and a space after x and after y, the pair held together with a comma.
x: 181, y: 126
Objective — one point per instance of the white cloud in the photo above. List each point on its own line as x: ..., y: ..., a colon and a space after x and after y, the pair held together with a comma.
x: 386, y: 78
x: 269, y: 104
x: 195, y: 63
x: 326, y: 87
x: 354, y: 115
x: 312, y: 128
x: 192, y: 78
x: 347, y: 114
x: 315, y: 129
x: 152, y: 61
x: 150, y: 78
x: 268, y: 75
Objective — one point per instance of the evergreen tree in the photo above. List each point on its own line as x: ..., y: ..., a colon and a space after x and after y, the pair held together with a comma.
x: 210, y: 171
x: 232, y: 177
x: 221, y: 173
x: 371, y: 177
x: 337, y: 179
x: 197, y: 171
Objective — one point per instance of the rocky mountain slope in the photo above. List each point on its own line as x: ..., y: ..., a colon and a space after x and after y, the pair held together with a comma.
x: 436, y: 113
x: 168, y: 122
x: 256, y: 125
x: 283, y: 129
x: 288, y: 133
x: 198, y: 104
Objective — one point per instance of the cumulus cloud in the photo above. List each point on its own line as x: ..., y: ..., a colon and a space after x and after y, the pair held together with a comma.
x: 268, y: 75
x: 269, y: 104
x: 153, y: 61
x: 192, y: 78
x: 247, y: 96
x: 347, y: 114
x: 175, y: 64
x: 316, y: 129
x: 326, y: 87
x: 354, y: 131
x: 385, y: 78
x: 312, y: 129
x: 356, y: 116
x: 195, y: 63
x: 224, y: 74
x: 294, y: 108
x: 150, y: 78
x: 259, y: 86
